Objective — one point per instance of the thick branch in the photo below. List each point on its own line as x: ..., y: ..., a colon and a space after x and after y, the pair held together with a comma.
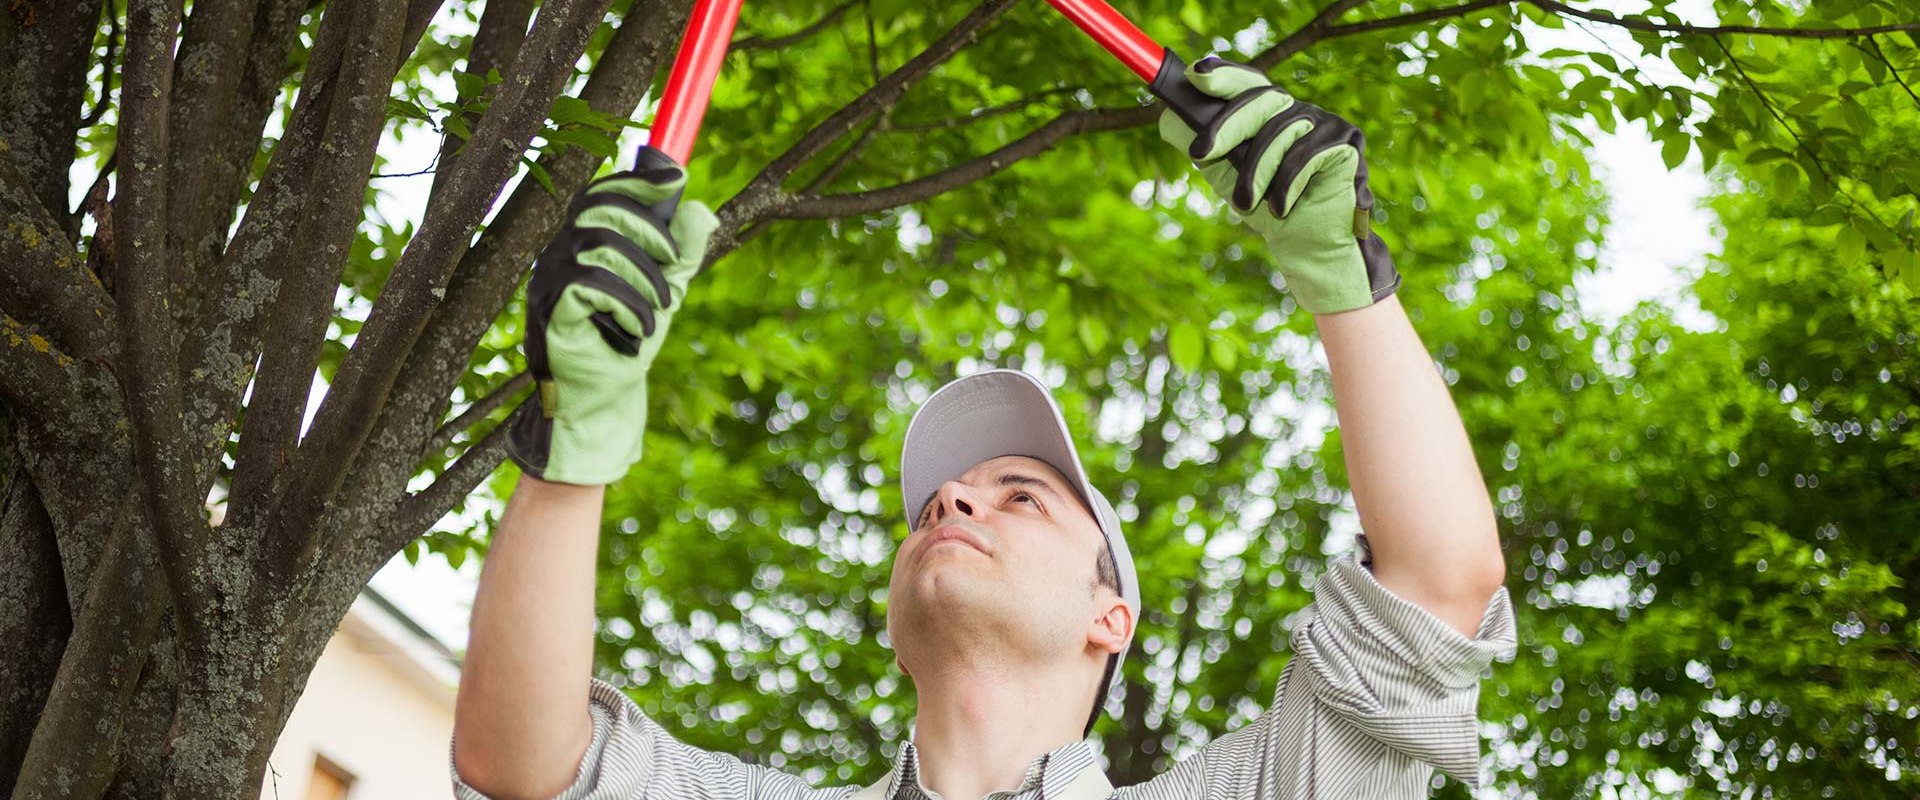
x: 44, y: 282
x: 298, y: 323
x: 419, y: 281
x: 780, y: 42
x: 41, y: 90
x: 1039, y: 141
x: 213, y: 49
x: 148, y: 363
x: 1715, y: 30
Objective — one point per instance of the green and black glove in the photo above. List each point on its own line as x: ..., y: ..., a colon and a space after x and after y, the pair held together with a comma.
x: 1300, y: 181
x: 601, y: 299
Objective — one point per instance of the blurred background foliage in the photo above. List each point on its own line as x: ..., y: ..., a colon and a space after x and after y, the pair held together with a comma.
x: 1710, y: 531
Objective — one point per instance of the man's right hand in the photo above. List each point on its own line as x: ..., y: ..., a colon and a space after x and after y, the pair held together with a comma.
x: 601, y: 299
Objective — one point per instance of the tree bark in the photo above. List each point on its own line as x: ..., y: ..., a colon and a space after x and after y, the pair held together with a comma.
x: 47, y: 48
x: 33, y: 607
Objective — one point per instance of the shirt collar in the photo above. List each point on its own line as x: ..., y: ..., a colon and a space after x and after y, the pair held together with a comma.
x: 1051, y: 772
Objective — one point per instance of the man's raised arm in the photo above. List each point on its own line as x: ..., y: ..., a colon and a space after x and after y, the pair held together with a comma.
x: 602, y: 297
x: 520, y: 723
x: 1298, y: 174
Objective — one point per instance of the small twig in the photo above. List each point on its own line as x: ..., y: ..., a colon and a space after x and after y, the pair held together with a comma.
x: 476, y: 411
x: 1882, y: 55
x: 873, y: 42
x: 846, y: 157
x: 777, y: 42
x: 991, y: 111
x: 92, y: 118
x: 418, y: 511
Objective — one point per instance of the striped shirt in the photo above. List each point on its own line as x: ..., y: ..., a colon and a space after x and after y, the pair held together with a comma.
x: 1379, y: 694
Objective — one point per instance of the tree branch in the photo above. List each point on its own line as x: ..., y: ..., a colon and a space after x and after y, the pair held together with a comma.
x: 205, y: 82
x: 31, y: 370
x: 477, y: 410
x: 417, y: 512
x: 1306, y: 35
x: 1039, y: 141
x: 148, y: 363
x: 1892, y: 70
x: 42, y: 88
x: 228, y: 172
x: 503, y: 28
x: 756, y: 42
x: 762, y: 194
x: 1716, y: 30
x: 45, y: 284
x: 297, y: 324
x: 419, y: 281
x: 99, y: 111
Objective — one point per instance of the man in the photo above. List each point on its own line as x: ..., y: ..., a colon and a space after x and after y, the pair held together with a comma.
x: 1014, y: 597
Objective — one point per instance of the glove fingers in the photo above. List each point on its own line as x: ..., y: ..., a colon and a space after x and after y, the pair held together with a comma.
x: 1224, y: 79
x: 1275, y: 140
x: 1240, y: 121
x: 599, y: 247
x: 647, y: 186
x: 627, y: 217
x: 598, y: 291
x: 1328, y: 148
x: 693, y: 226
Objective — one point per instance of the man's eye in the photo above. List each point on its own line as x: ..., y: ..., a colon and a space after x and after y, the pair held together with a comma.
x: 1029, y: 498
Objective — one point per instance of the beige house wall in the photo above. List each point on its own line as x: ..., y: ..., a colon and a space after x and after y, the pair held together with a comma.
x: 379, y: 706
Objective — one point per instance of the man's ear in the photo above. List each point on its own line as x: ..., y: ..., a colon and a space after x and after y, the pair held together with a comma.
x: 1112, y: 628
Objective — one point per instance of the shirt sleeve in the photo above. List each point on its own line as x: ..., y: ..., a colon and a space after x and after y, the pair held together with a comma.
x: 1378, y: 694
x: 632, y: 758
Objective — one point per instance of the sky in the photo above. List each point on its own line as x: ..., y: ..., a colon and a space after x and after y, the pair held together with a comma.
x: 1657, y: 243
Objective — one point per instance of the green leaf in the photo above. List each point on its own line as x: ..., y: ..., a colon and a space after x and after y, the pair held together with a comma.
x: 1852, y: 245
x: 1184, y: 346
x: 1827, y: 215
x: 1856, y: 115
x: 1786, y: 180
x: 412, y: 552
x: 1810, y: 104
x: 539, y: 173
x: 592, y: 141
x: 1674, y: 151
x: 1223, y: 352
x: 1765, y: 154
x: 468, y: 84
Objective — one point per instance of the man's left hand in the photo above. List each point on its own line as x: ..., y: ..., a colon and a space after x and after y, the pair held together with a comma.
x: 1301, y: 183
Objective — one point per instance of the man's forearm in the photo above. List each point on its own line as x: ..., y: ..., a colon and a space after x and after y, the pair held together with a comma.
x: 521, y: 723
x: 1421, y: 498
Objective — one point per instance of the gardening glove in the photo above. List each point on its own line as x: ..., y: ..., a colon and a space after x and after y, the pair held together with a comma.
x: 601, y: 299
x: 1300, y: 181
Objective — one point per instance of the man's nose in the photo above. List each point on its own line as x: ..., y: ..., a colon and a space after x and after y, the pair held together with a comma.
x: 957, y: 497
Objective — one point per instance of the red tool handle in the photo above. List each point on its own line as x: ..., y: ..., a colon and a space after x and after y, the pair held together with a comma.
x: 1160, y: 67
x: 690, y: 84
x: 1116, y: 33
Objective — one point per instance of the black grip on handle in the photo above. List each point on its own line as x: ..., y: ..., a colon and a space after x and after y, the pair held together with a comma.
x: 1197, y: 108
x: 649, y: 158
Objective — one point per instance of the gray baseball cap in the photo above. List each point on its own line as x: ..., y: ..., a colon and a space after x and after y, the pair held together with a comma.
x: 1006, y: 412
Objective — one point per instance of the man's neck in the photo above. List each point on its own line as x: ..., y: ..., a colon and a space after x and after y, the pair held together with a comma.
x: 979, y: 728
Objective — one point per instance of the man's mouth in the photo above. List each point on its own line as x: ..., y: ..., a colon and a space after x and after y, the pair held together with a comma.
x: 958, y: 534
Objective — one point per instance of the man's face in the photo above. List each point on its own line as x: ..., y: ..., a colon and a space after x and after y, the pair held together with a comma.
x: 1002, y: 557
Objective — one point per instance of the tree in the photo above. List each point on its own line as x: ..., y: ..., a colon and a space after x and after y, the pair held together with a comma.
x: 906, y: 192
